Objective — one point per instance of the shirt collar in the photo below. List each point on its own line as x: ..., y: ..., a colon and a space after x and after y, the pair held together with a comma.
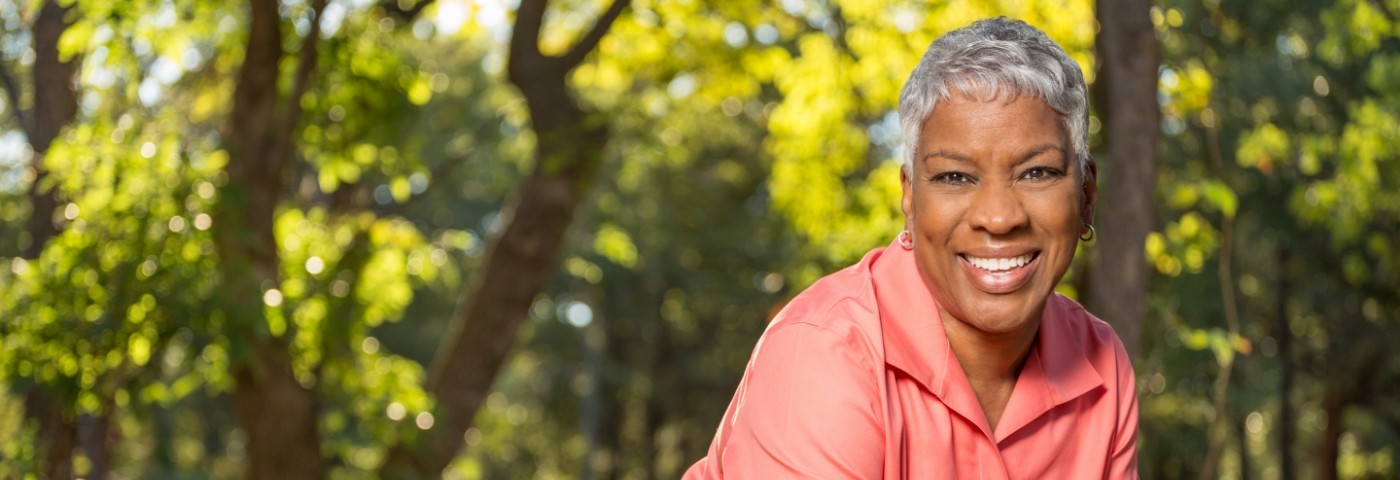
x: 1056, y: 371
x: 914, y: 339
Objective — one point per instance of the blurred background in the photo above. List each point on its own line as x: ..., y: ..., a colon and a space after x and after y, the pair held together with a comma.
x: 530, y: 239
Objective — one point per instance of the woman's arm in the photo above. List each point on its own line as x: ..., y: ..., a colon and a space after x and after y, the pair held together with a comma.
x: 808, y: 407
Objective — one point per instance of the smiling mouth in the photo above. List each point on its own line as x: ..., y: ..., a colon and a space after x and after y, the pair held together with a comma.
x: 1000, y: 264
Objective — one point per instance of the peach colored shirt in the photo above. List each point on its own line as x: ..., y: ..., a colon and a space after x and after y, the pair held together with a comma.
x: 855, y: 379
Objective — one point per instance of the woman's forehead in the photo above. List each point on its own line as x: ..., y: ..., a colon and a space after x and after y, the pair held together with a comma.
x: 1024, y: 119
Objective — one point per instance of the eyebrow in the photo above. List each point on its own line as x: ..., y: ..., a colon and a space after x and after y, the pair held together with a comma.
x: 1037, y: 151
x: 1029, y: 154
x: 948, y: 154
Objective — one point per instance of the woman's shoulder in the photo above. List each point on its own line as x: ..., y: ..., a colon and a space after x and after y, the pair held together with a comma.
x: 842, y: 302
x: 811, y: 397
x: 1095, y: 336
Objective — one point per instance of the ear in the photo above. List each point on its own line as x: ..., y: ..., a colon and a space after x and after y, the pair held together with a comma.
x: 1090, y: 191
x: 906, y: 182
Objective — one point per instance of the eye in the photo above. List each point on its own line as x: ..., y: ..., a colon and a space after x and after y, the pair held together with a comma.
x: 1036, y: 174
x: 952, y: 178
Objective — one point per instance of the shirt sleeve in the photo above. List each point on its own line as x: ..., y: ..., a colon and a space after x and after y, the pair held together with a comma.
x: 1122, y: 462
x: 808, y: 407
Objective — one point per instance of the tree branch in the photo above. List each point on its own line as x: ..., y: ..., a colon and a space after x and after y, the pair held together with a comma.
x: 276, y: 412
x: 519, y: 258
x: 1216, y: 433
x: 255, y: 96
x: 525, y: 41
x: 306, y: 63
x: 590, y: 41
x: 54, y: 104
x: 13, y: 94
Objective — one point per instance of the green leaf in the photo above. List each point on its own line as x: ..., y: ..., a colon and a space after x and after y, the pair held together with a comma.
x: 1221, y: 196
x: 616, y: 245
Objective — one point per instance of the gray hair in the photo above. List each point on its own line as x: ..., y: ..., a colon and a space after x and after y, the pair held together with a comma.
x: 1007, y: 57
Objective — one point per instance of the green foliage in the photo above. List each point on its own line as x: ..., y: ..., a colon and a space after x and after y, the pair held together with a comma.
x: 119, y: 315
x: 115, y: 314
x: 1298, y: 104
x: 132, y: 262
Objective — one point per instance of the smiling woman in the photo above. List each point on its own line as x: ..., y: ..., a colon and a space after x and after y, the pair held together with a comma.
x: 948, y: 354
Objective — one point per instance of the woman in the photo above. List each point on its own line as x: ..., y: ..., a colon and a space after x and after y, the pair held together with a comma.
x: 948, y: 354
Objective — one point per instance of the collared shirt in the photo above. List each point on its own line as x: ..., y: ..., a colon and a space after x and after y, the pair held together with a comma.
x: 855, y: 379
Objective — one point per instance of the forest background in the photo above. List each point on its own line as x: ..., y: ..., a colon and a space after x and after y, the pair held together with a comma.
x: 533, y: 239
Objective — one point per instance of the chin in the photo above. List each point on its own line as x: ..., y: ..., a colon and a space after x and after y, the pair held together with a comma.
x: 998, y: 324
x: 993, y: 317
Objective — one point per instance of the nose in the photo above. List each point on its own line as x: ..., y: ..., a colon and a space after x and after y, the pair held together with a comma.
x: 997, y: 209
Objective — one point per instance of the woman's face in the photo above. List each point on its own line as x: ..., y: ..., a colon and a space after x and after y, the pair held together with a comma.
x: 995, y: 203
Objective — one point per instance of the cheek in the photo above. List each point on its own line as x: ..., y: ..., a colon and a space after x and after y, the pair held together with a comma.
x: 1058, y: 211
x: 935, y: 217
x: 943, y: 207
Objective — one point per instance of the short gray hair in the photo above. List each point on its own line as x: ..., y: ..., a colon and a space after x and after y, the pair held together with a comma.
x: 1009, y: 57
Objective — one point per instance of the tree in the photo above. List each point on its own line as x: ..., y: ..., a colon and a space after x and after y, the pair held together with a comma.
x: 1128, y: 61
x: 277, y: 412
x: 54, y: 106
x: 568, y: 154
x: 1265, y: 117
x: 126, y: 290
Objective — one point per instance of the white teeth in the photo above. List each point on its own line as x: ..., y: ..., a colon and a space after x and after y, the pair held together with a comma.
x: 999, y: 264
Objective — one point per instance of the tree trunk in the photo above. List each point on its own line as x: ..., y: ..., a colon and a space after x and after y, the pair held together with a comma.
x: 57, y: 435
x: 54, y: 107
x: 162, y: 437
x: 519, y: 260
x: 1128, y: 59
x: 1328, y: 450
x: 485, y: 325
x: 1285, y: 359
x: 276, y: 412
x: 279, y: 416
x: 592, y: 409
x: 96, y: 437
x: 622, y: 349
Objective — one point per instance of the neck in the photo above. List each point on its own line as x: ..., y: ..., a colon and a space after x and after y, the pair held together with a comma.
x: 990, y: 356
x: 987, y: 357
x: 991, y: 361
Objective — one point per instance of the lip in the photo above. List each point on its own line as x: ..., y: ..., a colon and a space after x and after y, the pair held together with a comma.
x: 1000, y: 282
